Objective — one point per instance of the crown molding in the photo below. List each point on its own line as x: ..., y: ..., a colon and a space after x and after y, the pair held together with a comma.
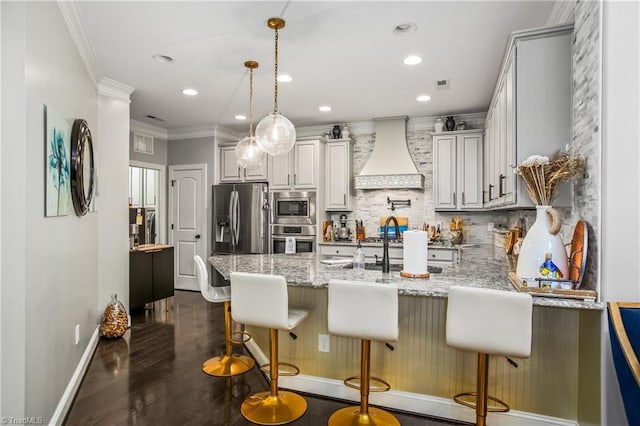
x: 562, y: 12
x: 115, y: 89
x: 73, y: 17
x: 147, y: 129
x: 205, y: 131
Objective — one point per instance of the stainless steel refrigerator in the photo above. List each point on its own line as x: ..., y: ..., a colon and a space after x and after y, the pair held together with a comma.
x: 240, y: 218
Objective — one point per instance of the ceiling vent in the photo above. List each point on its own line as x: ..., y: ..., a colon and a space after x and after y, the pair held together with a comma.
x: 153, y: 117
x: 442, y: 84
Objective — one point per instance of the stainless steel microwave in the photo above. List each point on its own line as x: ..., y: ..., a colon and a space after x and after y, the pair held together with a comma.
x: 293, y: 208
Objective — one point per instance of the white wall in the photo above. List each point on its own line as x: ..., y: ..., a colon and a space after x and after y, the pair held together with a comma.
x: 620, y: 178
x: 14, y: 164
x: 113, y: 166
x: 62, y: 252
x: 63, y: 266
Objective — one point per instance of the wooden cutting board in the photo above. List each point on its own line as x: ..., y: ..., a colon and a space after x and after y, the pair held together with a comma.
x: 578, y: 252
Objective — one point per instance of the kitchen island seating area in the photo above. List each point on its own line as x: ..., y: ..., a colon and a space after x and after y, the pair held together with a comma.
x: 489, y: 322
x: 229, y: 364
x: 261, y: 300
x: 366, y: 311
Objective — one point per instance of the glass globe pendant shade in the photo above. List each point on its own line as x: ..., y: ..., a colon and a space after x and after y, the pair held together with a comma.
x: 248, y: 154
x: 275, y: 134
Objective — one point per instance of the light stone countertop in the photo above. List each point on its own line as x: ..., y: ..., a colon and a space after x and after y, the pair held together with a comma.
x: 483, y: 266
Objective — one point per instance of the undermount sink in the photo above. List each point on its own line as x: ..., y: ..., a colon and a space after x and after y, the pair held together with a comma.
x: 394, y: 267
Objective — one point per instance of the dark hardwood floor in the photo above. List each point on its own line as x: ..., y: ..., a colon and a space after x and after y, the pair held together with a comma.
x: 153, y: 376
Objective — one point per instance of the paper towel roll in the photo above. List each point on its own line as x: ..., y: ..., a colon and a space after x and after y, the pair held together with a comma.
x: 415, y: 252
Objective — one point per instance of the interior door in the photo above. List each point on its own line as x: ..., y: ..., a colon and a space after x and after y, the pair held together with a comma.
x: 187, y: 227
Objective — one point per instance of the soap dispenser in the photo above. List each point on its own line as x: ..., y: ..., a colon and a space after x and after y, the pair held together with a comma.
x: 358, y: 257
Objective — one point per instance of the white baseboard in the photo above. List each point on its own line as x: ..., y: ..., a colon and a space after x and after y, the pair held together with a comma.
x: 74, y: 383
x: 406, y: 401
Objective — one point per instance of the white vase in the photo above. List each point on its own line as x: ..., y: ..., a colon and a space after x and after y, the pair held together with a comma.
x: 438, y: 125
x: 537, y: 243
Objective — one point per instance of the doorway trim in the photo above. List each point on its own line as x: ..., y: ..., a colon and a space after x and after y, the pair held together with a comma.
x: 162, y: 191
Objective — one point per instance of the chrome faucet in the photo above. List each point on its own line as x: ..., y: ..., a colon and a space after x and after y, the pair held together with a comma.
x: 385, y: 242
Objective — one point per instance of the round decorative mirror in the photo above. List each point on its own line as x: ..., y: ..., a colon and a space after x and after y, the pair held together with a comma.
x: 82, y: 167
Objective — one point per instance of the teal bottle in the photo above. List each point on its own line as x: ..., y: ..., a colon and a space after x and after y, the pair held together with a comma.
x: 548, y: 269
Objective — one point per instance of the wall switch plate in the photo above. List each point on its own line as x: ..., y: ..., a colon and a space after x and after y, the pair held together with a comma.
x: 323, y: 342
x: 490, y: 227
x: 77, y: 333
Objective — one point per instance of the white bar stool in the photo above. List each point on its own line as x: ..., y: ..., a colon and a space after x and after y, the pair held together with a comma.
x: 262, y: 300
x: 366, y: 311
x: 490, y: 322
x: 229, y: 364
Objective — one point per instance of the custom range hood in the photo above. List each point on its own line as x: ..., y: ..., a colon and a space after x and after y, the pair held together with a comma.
x: 390, y: 164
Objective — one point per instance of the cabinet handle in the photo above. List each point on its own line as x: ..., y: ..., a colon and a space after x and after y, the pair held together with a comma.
x: 490, y: 188
x: 288, y: 177
x: 295, y: 179
x: 238, y: 171
x: 344, y: 197
x: 454, y: 198
x: 500, y: 186
x: 245, y: 173
x: 484, y: 199
x: 462, y: 198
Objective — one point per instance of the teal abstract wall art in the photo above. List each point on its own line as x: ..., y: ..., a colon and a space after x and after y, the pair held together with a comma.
x: 57, y: 145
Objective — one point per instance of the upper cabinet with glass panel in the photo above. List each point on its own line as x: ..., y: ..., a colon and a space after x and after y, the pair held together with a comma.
x: 143, y: 187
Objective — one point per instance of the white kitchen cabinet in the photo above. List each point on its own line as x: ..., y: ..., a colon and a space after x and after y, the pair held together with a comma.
x: 435, y: 253
x: 338, y: 175
x: 457, y: 170
x: 230, y: 171
x: 296, y: 170
x: 143, y: 187
x: 135, y: 186
x: 530, y: 112
x: 151, y: 183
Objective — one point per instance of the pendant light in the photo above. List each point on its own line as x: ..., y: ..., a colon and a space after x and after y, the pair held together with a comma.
x: 248, y: 153
x: 275, y: 134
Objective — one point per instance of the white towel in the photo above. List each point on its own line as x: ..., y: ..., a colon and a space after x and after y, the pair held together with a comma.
x: 290, y: 245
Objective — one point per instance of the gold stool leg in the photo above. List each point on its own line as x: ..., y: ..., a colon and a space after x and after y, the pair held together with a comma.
x: 274, y: 407
x: 229, y: 364
x: 363, y: 415
x: 481, y: 389
x: 480, y: 398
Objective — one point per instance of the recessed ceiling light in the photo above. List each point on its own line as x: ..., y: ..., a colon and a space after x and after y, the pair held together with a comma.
x: 163, y: 58
x: 423, y: 98
x: 405, y: 28
x: 284, y: 78
x: 324, y: 108
x: 189, y: 92
x: 412, y: 60
x: 240, y: 117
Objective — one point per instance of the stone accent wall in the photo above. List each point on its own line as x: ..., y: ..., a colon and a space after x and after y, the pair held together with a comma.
x: 587, y: 137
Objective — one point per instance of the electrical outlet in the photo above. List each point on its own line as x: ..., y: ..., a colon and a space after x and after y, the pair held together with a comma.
x: 77, y: 333
x: 490, y: 227
x: 323, y: 342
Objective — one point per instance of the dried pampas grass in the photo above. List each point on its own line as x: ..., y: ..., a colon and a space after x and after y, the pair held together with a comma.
x: 543, y: 176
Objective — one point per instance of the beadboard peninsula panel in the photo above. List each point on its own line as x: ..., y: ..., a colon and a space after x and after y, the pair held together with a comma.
x: 422, y: 363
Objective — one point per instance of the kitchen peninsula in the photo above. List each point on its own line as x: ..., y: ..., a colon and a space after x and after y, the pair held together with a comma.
x: 551, y: 387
